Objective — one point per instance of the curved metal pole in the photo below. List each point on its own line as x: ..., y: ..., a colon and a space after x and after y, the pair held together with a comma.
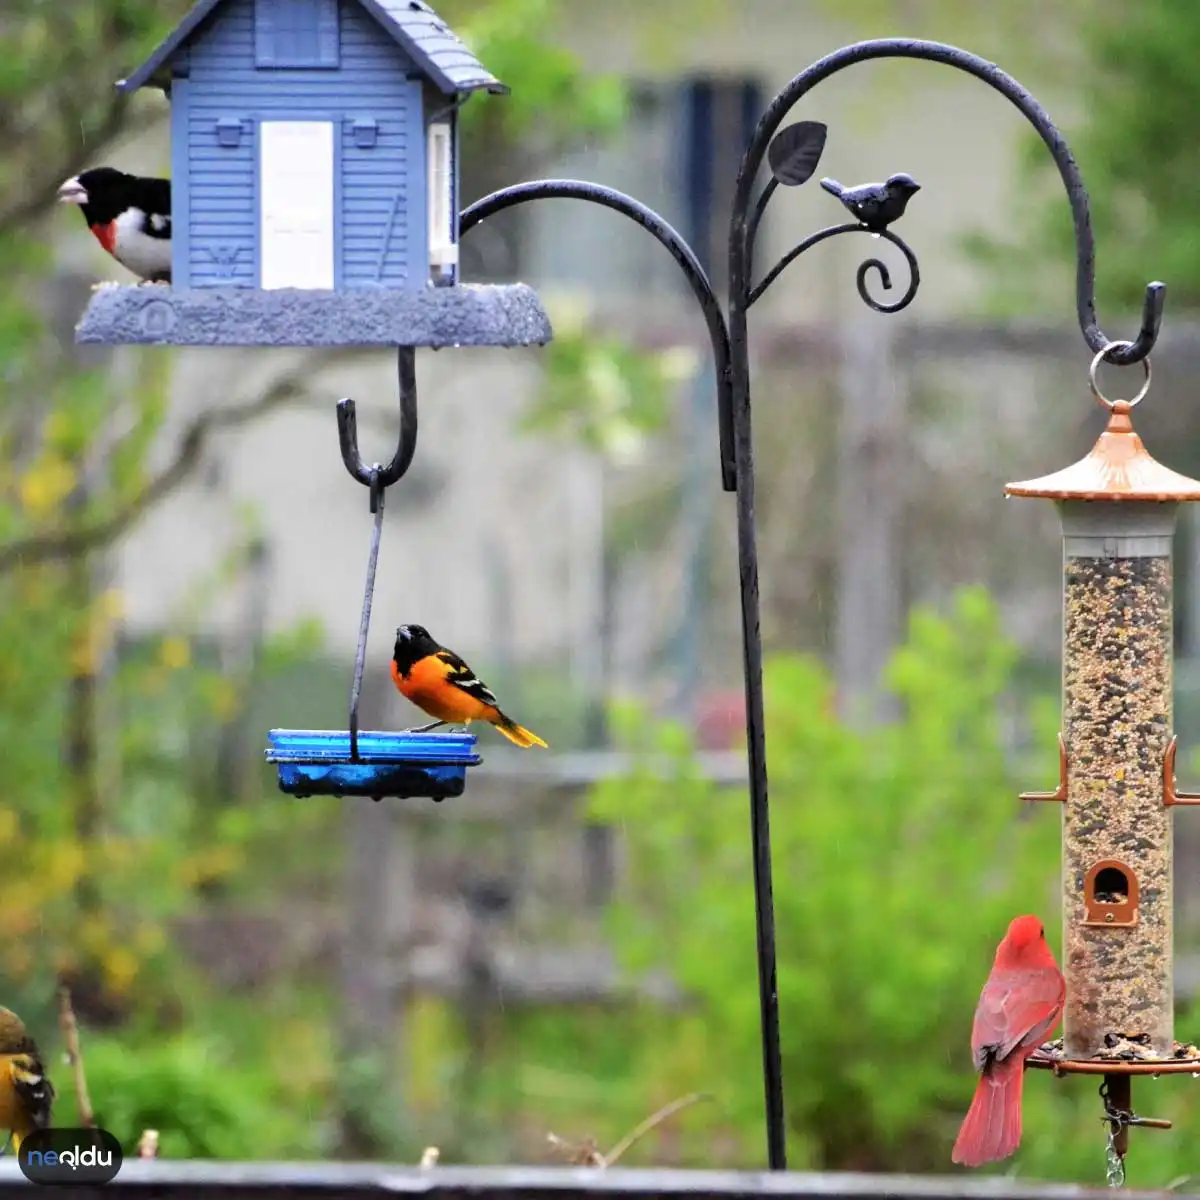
x: 377, y: 479
x: 756, y: 217
x: 731, y: 353
x: 864, y: 268
x: 1085, y: 246
x: 744, y: 223
x: 681, y: 252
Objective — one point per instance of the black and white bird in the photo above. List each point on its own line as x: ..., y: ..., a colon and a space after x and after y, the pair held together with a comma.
x: 876, y: 205
x: 130, y: 216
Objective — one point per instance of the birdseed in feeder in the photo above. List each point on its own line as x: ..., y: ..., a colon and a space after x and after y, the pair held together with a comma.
x: 1117, y: 712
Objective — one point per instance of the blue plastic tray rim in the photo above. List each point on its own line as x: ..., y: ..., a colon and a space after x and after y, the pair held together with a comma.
x: 331, y: 747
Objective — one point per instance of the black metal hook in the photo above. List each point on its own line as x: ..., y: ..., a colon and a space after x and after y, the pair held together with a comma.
x: 377, y: 479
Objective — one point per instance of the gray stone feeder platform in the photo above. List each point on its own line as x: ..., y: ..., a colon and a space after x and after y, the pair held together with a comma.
x: 464, y: 315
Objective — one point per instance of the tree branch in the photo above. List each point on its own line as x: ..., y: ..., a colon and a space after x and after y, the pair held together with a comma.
x: 72, y: 542
x: 58, y: 105
x: 70, y: 1032
x: 38, y: 196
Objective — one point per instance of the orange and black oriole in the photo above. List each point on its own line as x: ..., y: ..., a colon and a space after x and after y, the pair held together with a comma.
x: 26, y: 1095
x: 439, y: 682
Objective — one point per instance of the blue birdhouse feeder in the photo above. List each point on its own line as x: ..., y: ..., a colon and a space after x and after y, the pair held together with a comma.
x: 314, y: 202
x: 314, y: 189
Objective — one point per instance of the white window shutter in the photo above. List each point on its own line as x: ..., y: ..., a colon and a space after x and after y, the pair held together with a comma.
x: 442, y: 250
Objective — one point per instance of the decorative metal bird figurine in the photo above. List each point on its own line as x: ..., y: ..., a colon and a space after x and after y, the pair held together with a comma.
x: 876, y: 205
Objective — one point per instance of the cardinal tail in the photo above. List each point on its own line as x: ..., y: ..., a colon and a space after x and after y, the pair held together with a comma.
x: 515, y: 733
x: 991, y: 1129
x: 832, y: 187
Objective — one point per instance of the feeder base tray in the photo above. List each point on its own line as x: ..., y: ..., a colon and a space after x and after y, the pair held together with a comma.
x: 463, y: 315
x: 1132, y: 1061
x: 317, y: 762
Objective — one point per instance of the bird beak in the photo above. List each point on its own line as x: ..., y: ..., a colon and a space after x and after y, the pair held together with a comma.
x: 72, y: 192
x: 402, y: 632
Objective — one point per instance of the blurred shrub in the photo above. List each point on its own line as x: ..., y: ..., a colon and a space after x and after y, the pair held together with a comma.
x: 900, y: 855
x: 205, y: 1100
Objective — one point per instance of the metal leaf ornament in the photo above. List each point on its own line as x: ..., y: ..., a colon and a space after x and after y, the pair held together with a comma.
x: 794, y: 152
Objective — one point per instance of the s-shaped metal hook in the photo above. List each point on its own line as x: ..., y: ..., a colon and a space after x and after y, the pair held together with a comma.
x: 377, y: 479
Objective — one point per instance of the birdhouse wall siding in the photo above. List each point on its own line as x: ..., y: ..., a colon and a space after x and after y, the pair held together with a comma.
x: 383, y: 193
x: 373, y: 100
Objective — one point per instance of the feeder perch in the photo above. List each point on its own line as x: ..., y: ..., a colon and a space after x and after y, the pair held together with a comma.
x: 314, y: 184
x: 316, y: 762
x: 1116, y: 753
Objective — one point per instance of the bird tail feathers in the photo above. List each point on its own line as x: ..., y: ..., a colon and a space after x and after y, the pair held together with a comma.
x: 517, y: 734
x: 991, y: 1129
x: 833, y: 187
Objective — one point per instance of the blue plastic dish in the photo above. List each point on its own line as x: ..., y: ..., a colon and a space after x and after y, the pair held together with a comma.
x: 316, y: 762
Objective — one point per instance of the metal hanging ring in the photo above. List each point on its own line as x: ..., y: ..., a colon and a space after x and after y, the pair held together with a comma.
x: 1101, y: 398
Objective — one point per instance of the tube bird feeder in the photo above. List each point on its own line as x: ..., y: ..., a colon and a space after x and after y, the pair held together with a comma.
x: 1116, y: 756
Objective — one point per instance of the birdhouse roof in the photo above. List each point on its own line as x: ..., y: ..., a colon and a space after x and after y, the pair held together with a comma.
x: 418, y: 30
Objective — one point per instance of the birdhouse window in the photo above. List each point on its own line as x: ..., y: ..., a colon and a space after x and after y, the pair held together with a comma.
x: 443, y: 253
x: 296, y: 33
x: 1110, y: 894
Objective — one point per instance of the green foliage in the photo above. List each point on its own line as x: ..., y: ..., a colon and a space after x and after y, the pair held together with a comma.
x: 193, y: 1089
x: 1133, y: 66
x: 879, y: 964
x: 900, y: 856
x: 602, y: 393
x: 1141, y: 94
x: 113, y: 822
x: 553, y: 97
x: 57, y: 66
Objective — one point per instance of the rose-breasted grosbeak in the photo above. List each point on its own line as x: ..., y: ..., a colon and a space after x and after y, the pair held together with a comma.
x: 130, y: 216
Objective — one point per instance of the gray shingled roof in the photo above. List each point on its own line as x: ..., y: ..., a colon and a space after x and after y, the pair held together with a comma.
x: 434, y: 46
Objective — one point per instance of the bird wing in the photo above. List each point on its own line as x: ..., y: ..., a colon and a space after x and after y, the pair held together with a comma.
x: 1016, y: 1008
x: 34, y: 1090
x: 157, y: 194
x: 463, y: 678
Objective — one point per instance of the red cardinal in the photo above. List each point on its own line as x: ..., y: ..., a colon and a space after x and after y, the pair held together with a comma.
x: 1019, y: 1007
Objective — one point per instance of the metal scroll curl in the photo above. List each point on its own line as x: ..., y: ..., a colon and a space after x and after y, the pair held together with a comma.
x: 864, y: 269
x: 746, y: 215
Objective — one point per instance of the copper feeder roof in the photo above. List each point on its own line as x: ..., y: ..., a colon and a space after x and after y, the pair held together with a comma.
x: 1119, y: 467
